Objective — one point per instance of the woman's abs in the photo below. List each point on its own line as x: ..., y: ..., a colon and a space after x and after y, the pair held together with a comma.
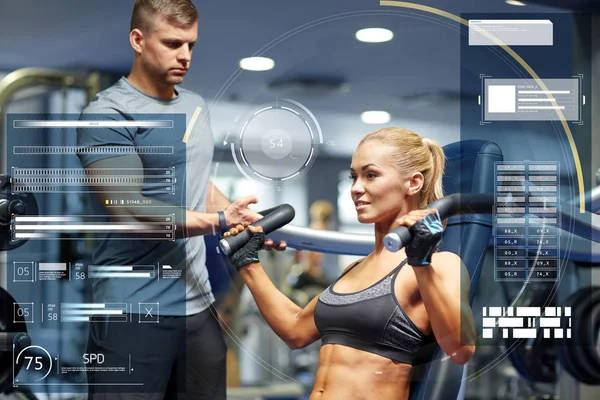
x: 347, y: 373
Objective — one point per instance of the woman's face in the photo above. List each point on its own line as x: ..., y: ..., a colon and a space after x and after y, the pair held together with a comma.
x: 378, y: 190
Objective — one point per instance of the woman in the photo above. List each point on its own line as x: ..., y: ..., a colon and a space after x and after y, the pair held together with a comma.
x: 378, y: 320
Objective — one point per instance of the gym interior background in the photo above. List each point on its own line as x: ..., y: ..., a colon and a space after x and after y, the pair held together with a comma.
x: 418, y: 77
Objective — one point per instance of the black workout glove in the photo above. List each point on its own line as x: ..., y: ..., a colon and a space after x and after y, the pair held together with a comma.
x: 427, y: 236
x: 249, y: 253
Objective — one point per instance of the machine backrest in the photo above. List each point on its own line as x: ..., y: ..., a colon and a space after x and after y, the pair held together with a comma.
x: 469, y: 169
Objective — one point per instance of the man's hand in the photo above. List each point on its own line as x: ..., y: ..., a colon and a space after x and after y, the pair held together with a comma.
x: 238, y: 212
x: 268, y: 243
x: 238, y: 216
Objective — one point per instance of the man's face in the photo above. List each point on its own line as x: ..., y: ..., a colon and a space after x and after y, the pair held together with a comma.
x: 167, y: 51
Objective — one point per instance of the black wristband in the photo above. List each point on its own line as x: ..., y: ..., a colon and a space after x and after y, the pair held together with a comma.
x: 222, y: 221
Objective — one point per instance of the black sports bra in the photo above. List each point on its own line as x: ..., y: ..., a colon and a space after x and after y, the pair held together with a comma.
x: 373, y: 321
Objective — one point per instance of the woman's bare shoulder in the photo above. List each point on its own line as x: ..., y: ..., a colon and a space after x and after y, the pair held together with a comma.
x: 353, y: 264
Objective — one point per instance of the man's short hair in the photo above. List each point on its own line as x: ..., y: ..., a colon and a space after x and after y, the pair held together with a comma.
x: 180, y: 13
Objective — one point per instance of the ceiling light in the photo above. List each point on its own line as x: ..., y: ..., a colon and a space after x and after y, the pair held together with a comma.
x: 257, y: 63
x: 374, y: 35
x: 375, y: 117
x: 515, y: 3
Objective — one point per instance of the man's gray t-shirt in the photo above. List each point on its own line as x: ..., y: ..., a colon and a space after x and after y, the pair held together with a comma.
x: 191, y: 160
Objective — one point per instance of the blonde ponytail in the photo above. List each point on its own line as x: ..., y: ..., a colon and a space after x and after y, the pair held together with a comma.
x: 434, y: 190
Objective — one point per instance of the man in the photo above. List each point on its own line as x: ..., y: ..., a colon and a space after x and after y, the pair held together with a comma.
x: 184, y: 351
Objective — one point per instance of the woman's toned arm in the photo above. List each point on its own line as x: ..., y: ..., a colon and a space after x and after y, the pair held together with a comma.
x: 443, y: 283
x: 444, y: 286
x: 294, y: 325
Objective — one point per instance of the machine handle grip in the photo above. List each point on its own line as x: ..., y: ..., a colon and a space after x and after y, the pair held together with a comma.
x: 472, y: 203
x: 17, y: 341
x: 274, y: 218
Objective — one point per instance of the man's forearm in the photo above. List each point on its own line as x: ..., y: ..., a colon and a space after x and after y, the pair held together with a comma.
x: 216, y: 200
x: 135, y: 208
x: 142, y: 210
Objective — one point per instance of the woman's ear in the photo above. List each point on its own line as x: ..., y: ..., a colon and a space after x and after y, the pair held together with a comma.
x: 415, y: 183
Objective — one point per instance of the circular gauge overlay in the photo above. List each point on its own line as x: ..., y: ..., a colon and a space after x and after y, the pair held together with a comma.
x: 277, y: 142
